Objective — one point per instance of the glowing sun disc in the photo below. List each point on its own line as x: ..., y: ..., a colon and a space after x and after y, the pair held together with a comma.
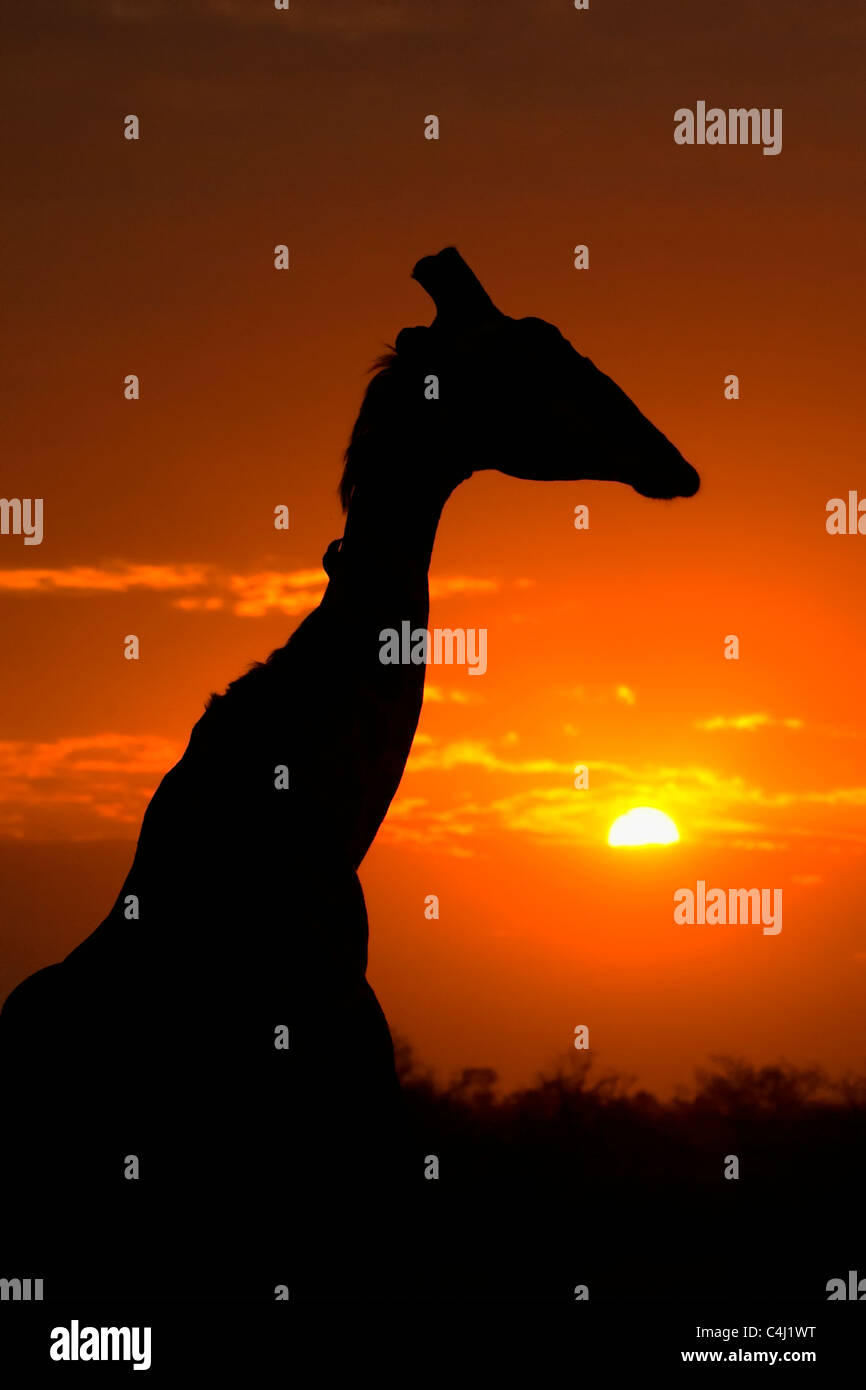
x: 643, y: 825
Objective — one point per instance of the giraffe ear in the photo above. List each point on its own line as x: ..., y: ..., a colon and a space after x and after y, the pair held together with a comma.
x: 459, y: 296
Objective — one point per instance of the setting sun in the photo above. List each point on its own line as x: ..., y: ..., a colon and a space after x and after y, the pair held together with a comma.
x: 643, y: 825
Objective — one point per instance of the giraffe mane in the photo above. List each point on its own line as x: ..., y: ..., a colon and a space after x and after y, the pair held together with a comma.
x: 354, y: 457
x: 382, y: 372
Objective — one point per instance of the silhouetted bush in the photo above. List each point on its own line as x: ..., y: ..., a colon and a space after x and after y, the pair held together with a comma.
x: 581, y: 1173
x: 790, y: 1128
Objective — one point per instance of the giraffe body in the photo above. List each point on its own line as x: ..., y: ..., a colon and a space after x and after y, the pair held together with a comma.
x: 155, y: 1037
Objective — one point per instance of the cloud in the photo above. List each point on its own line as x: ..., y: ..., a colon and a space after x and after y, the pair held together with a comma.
x: 601, y: 695
x: 198, y: 605
x: 445, y: 586
x: 254, y: 595
x: 413, y: 821
x: 435, y: 695
x: 291, y: 593
x: 477, y: 753
x: 88, y: 787
x: 746, y: 723
x: 80, y: 788
x: 130, y: 754
x: 836, y: 796
x: 708, y: 808
x: 92, y: 579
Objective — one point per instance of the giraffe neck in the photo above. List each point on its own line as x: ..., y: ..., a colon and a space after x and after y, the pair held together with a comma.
x: 391, y: 525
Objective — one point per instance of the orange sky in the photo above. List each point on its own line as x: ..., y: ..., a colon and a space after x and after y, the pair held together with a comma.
x: 604, y: 646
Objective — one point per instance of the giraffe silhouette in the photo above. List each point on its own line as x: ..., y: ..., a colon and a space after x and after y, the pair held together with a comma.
x: 157, y: 1046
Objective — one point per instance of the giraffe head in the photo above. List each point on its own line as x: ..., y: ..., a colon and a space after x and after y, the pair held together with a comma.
x: 483, y: 390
